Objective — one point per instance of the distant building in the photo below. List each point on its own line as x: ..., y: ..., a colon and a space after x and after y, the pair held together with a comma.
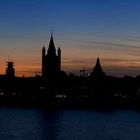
x: 97, y: 70
x: 10, y: 71
x: 51, y: 62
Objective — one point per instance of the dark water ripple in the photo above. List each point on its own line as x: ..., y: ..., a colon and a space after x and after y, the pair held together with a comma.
x: 36, y: 124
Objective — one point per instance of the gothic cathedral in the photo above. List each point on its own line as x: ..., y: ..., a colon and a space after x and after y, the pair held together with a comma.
x: 51, y: 62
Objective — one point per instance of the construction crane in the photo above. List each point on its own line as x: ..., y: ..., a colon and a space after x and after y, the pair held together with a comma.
x: 38, y: 73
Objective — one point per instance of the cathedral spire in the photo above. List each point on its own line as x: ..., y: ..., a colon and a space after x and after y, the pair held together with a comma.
x: 97, y: 70
x: 43, y: 50
x: 98, y: 65
x: 51, y: 49
x: 59, y: 50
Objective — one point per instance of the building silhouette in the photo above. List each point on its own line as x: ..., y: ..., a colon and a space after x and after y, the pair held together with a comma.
x: 10, y: 71
x: 51, y: 62
x: 97, y: 70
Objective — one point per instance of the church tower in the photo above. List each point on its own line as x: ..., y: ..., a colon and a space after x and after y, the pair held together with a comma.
x: 51, y: 62
x: 97, y: 70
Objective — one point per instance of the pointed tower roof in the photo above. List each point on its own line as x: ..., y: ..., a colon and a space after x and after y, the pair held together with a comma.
x: 43, y: 49
x: 59, y: 49
x: 97, y: 70
x: 98, y: 65
x: 51, y: 48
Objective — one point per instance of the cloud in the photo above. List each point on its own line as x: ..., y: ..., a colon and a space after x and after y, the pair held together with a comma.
x: 134, y: 39
x: 110, y: 44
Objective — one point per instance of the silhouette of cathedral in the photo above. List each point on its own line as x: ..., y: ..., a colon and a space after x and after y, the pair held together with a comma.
x: 51, y: 62
x: 10, y: 71
x: 97, y: 70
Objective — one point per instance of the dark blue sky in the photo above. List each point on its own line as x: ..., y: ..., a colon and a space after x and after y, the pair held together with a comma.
x: 103, y: 17
x: 83, y: 28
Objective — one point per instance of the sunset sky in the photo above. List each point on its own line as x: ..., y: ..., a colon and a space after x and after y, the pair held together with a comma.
x: 84, y: 29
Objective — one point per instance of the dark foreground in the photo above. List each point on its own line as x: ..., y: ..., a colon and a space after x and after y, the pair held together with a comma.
x: 74, y: 103
x: 71, y: 92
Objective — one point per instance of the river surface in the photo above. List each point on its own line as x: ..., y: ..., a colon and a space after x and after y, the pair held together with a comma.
x: 37, y: 124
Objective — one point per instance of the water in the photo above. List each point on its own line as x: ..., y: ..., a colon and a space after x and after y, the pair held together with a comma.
x: 37, y: 124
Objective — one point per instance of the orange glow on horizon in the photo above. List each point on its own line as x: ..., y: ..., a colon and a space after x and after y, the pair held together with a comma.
x: 73, y: 65
x: 75, y: 56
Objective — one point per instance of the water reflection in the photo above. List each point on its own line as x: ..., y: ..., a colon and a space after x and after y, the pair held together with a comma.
x: 49, y: 125
x: 36, y: 124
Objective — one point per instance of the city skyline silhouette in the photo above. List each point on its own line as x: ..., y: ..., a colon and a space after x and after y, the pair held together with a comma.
x: 51, y: 47
x: 83, y: 29
x: 69, y: 69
